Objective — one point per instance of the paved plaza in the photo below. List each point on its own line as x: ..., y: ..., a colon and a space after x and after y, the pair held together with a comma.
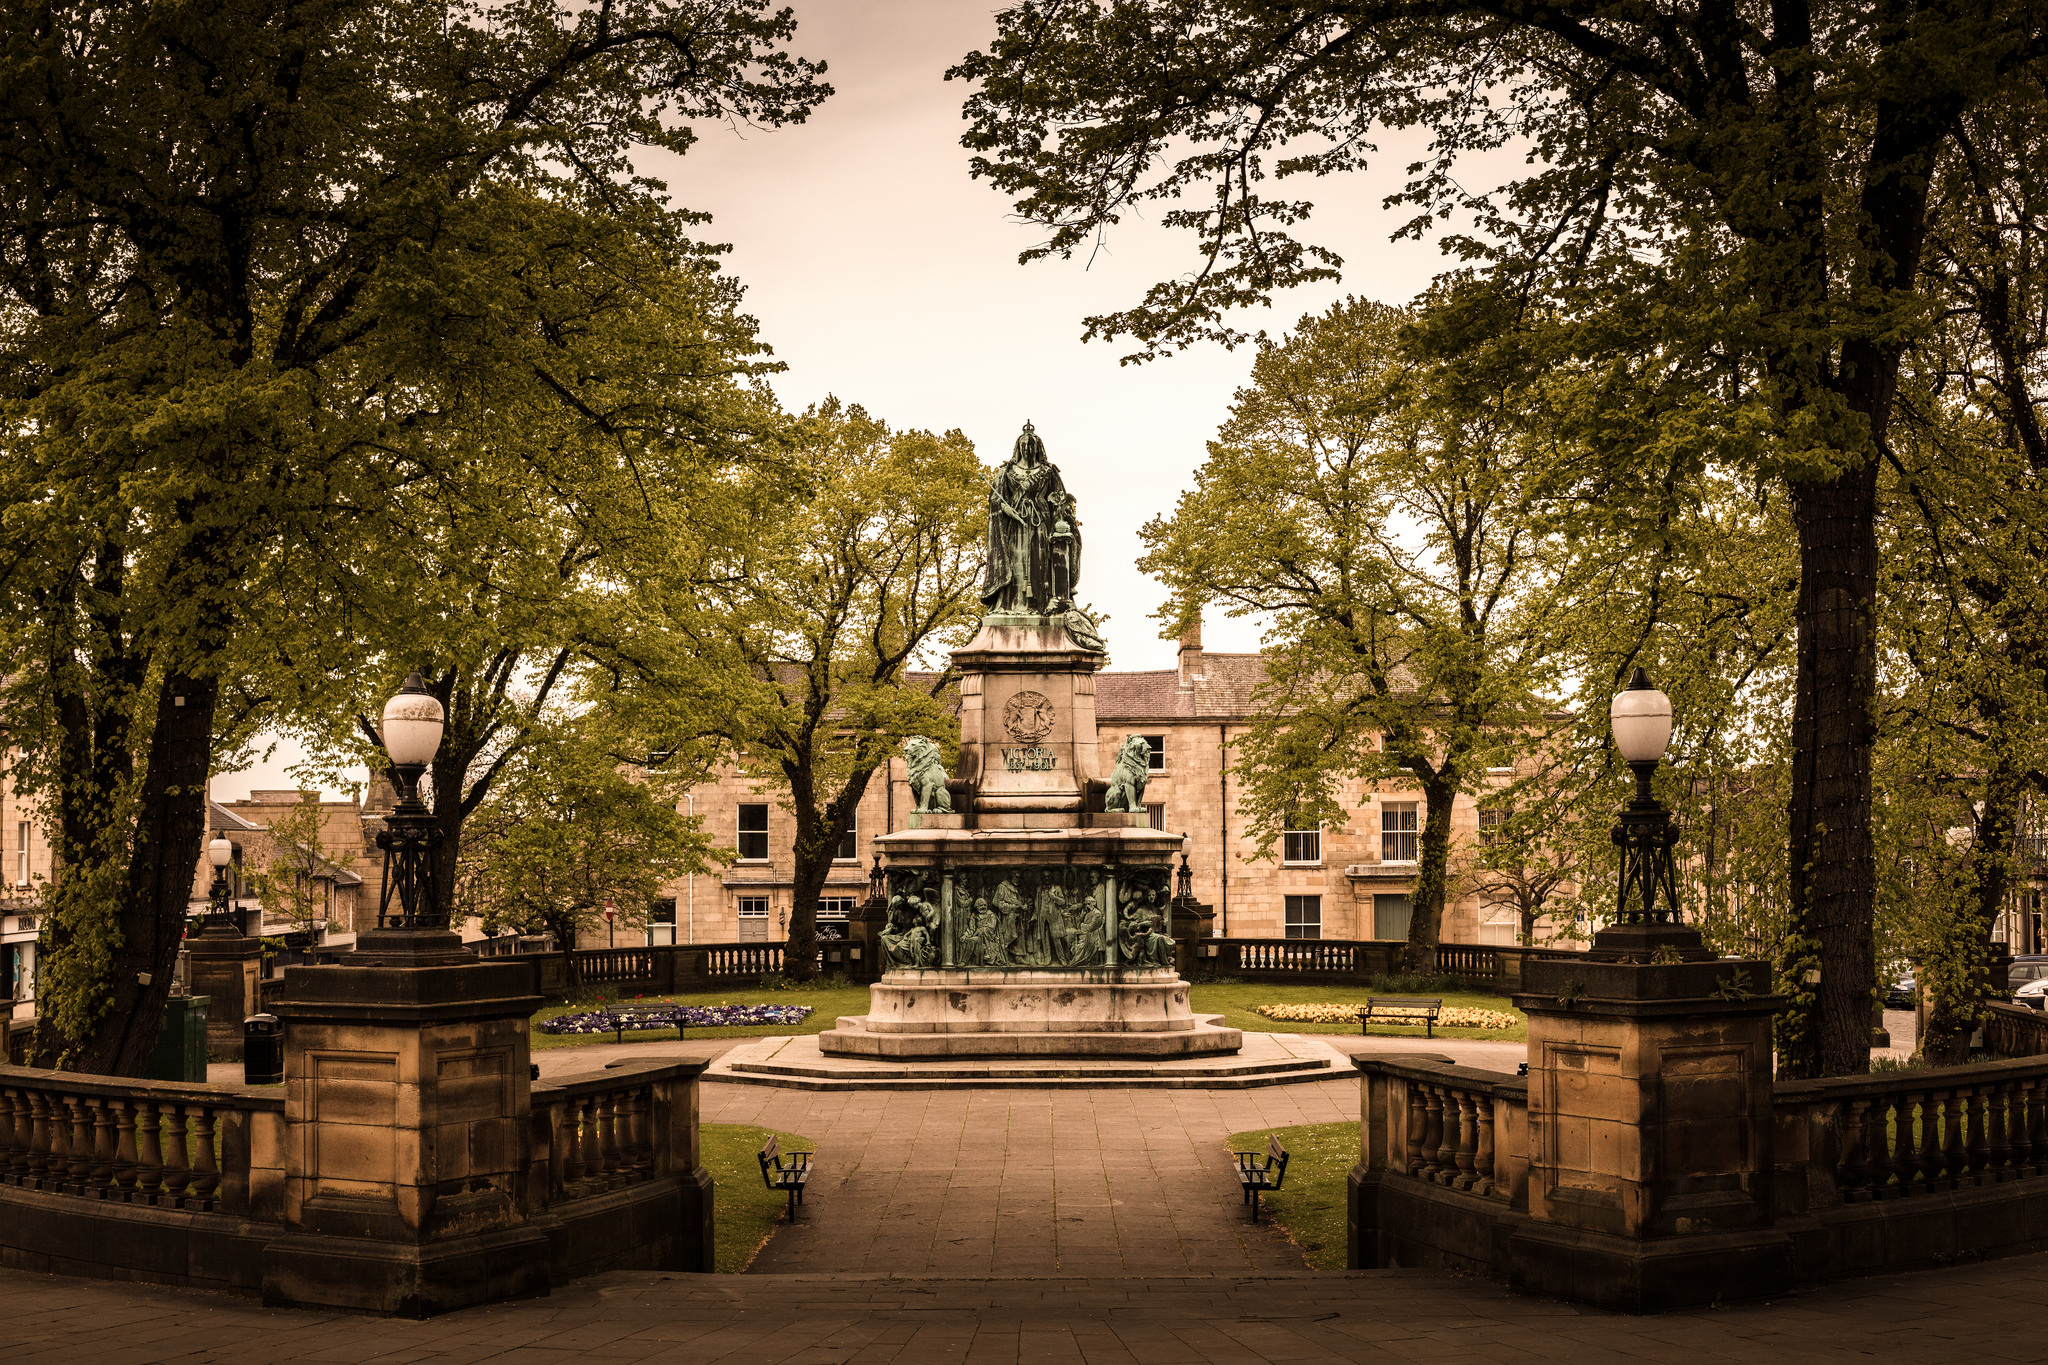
x: 1980, y: 1312
x: 1097, y: 1227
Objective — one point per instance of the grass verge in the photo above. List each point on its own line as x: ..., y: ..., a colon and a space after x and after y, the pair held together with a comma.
x: 1311, y: 1205
x: 826, y: 1006
x: 747, y: 1212
x: 1236, y: 1001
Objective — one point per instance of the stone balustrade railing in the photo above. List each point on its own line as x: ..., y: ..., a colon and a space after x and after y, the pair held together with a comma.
x: 1453, y: 1126
x: 1897, y: 1135
x: 158, y: 1143
x: 602, y: 1131
x: 2015, y: 1030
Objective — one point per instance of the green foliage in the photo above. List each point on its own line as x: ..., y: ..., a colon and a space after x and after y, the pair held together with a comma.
x: 287, y: 882
x: 1727, y: 246
x: 1381, y: 509
x: 831, y: 981
x: 793, y: 645
x: 242, y: 345
x: 568, y: 833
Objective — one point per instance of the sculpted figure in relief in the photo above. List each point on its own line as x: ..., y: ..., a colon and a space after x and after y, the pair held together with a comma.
x: 1133, y: 770
x: 911, y: 937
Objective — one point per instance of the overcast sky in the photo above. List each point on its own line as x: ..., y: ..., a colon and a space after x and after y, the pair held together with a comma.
x: 881, y: 273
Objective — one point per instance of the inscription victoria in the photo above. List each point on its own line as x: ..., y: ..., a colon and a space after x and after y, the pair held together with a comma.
x: 1034, y: 759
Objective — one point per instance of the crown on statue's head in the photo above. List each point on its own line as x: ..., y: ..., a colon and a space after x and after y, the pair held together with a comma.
x: 1028, y: 445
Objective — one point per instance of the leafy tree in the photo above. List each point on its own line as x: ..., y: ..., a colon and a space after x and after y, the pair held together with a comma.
x: 257, y: 262
x: 798, y: 647
x: 1527, y: 855
x: 569, y: 833
x: 288, y: 882
x: 1384, y: 514
x: 1965, y: 729
x: 1727, y: 213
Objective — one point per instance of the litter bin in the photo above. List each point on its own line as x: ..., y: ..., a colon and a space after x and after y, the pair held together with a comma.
x: 262, y: 1050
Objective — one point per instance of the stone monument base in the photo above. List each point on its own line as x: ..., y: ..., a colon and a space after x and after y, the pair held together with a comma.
x: 967, y: 1012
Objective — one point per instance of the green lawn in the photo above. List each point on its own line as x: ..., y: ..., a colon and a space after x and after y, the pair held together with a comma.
x: 746, y: 1212
x: 1236, y: 1000
x: 827, y: 1004
x: 1310, y: 1204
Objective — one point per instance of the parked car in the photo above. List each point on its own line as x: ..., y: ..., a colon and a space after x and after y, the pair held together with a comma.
x: 2034, y: 995
x: 1899, y: 994
x: 2026, y: 968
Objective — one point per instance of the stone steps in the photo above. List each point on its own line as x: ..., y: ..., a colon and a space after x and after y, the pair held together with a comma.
x: 1266, y: 1059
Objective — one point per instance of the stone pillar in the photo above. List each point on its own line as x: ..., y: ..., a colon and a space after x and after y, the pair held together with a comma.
x: 407, y: 1112
x: 1109, y: 912
x: 946, y: 919
x: 1650, y: 1130
x: 225, y: 966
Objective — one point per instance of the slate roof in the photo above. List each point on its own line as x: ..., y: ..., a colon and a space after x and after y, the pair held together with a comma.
x: 1222, y: 688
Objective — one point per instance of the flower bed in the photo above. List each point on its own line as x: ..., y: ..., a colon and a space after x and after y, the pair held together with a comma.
x: 697, y: 1016
x: 1451, y: 1016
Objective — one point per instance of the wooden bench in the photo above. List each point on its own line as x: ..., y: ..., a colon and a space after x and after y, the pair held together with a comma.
x: 1259, y: 1174
x: 640, y: 1014
x: 1397, y: 1009
x: 788, y: 1172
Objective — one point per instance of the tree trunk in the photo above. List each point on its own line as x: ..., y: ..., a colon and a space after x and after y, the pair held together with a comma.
x: 1956, y: 988
x: 1426, y: 914
x: 171, y: 823
x: 1826, y: 1029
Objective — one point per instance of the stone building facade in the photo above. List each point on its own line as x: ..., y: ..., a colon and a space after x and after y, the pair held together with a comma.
x: 27, y: 863
x: 1353, y: 882
x: 345, y: 869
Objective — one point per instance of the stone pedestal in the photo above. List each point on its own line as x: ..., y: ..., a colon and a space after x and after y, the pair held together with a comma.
x: 1027, y: 718
x: 1649, y: 1179
x: 225, y: 967
x: 406, y: 1103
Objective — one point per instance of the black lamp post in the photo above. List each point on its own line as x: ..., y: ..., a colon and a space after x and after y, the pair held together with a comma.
x: 1641, y: 716
x: 878, y: 883
x: 412, y: 923
x: 219, y: 920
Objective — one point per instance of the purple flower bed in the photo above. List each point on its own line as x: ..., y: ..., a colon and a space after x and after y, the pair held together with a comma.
x: 698, y: 1016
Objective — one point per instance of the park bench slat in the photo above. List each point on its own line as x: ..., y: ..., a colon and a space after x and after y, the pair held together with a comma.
x: 1258, y: 1174
x: 1400, y: 1009
x: 788, y: 1172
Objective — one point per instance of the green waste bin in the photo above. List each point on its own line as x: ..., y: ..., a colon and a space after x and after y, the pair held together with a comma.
x: 181, y: 1048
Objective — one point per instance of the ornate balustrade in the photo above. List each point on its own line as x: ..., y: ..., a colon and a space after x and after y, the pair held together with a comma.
x: 741, y: 959
x: 1468, y: 959
x: 2015, y: 1030
x: 1457, y: 1127
x: 158, y: 1143
x: 595, y: 1133
x: 1900, y: 1135
x: 615, y: 964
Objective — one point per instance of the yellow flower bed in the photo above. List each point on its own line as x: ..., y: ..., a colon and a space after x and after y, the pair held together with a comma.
x: 1451, y: 1016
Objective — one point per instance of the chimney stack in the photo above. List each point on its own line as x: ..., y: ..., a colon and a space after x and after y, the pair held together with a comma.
x: 1191, y: 653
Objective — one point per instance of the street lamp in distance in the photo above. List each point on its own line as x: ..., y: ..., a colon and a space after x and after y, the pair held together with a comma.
x: 220, y: 852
